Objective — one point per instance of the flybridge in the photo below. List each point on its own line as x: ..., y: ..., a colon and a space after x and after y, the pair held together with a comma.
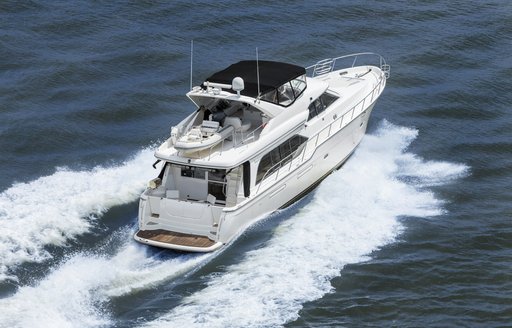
x: 271, y: 75
x: 275, y: 82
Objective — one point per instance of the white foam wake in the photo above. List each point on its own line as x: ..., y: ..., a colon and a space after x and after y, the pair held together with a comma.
x: 73, y: 294
x: 53, y: 209
x: 353, y: 212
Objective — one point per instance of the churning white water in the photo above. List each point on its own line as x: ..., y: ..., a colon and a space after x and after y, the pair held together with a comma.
x: 353, y: 212
x: 75, y: 292
x: 53, y: 209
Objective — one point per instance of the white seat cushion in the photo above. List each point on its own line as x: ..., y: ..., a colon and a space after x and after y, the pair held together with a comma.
x: 210, y: 126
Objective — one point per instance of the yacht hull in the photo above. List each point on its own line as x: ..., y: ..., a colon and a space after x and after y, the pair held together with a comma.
x: 328, y: 157
x: 304, y: 128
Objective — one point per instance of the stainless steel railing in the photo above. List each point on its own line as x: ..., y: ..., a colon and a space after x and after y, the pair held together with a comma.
x: 328, y: 65
x: 322, y: 67
x: 243, y: 139
x: 323, y: 135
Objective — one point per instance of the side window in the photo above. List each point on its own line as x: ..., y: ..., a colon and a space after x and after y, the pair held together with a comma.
x: 320, y: 104
x: 295, y: 143
x: 315, y: 108
x: 328, y: 99
x: 275, y: 155
x: 281, y: 154
x: 312, y: 111
x: 284, y: 149
x: 265, y: 165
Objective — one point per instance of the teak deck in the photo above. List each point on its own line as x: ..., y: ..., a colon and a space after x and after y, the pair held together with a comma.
x: 175, y: 238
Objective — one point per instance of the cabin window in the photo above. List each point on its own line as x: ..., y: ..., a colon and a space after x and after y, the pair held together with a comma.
x: 286, y: 94
x: 193, y: 172
x: 320, y: 104
x: 328, y: 99
x: 315, y: 108
x: 281, y: 154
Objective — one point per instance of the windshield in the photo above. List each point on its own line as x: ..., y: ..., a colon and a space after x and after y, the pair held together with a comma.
x: 286, y: 94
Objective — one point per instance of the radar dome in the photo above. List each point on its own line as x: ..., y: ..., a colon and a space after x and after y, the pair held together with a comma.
x: 237, y: 84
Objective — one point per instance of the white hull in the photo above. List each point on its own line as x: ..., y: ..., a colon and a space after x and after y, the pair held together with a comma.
x: 206, y: 201
x: 327, y: 158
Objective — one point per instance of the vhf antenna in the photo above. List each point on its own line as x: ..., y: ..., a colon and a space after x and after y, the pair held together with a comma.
x: 191, y: 60
x: 258, y: 73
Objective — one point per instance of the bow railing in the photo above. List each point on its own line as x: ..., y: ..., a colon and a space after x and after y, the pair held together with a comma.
x: 328, y: 65
x: 287, y: 164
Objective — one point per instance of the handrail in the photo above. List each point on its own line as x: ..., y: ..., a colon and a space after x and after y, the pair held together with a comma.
x: 320, y: 68
x: 330, y: 132
x: 250, y: 135
x: 327, y: 65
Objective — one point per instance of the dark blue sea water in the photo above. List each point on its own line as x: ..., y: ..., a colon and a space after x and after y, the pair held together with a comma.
x: 414, y: 231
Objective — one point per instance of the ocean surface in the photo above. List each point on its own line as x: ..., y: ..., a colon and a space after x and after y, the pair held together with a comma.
x: 414, y: 231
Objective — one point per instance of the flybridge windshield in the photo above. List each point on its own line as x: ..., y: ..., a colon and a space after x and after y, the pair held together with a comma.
x: 286, y: 94
x: 262, y: 77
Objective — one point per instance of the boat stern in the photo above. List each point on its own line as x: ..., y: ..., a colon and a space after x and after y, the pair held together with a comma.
x: 168, y: 222
x: 177, y: 241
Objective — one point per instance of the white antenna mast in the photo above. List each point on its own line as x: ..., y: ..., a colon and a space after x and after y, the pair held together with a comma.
x: 258, y: 73
x: 191, y: 60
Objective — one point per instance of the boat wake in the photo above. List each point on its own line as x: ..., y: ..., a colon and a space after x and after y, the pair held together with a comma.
x: 353, y: 213
x: 75, y: 292
x: 54, y: 209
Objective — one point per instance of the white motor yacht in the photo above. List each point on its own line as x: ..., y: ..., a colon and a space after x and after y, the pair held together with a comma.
x: 263, y: 134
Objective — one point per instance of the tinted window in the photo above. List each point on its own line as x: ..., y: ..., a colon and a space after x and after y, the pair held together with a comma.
x: 280, y: 154
x: 295, y: 142
x: 328, y: 99
x: 265, y: 165
x: 275, y: 155
x: 320, y: 104
x: 315, y: 108
x: 312, y: 111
